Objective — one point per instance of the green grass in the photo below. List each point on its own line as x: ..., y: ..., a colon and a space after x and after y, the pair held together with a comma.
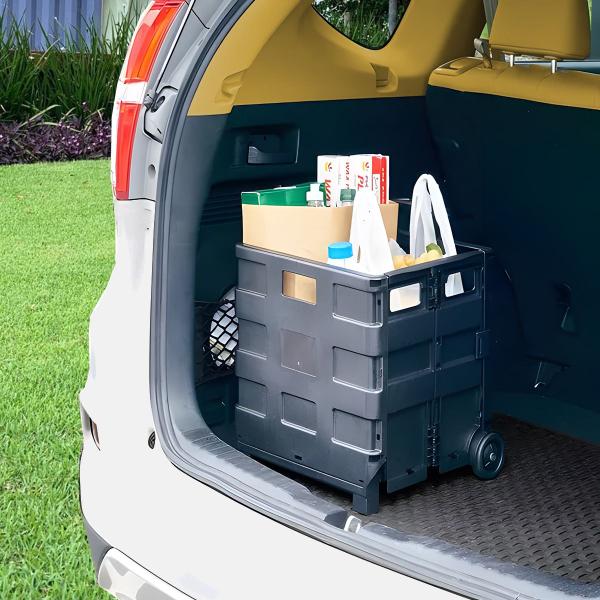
x: 56, y: 253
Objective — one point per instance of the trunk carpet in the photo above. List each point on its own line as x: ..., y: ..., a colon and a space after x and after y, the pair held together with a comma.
x: 543, y: 511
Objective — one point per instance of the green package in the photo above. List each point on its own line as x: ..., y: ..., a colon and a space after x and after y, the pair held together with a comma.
x: 282, y: 196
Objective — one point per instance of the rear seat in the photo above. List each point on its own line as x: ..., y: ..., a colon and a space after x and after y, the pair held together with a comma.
x: 520, y: 148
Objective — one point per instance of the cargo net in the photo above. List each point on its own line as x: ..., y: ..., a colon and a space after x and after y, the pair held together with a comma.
x: 216, y: 339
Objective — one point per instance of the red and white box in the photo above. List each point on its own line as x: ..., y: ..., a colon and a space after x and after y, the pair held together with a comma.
x: 371, y: 172
x: 330, y: 171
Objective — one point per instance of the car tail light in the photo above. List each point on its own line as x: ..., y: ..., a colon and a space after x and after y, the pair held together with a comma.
x: 149, y: 37
x: 147, y: 41
x: 127, y: 120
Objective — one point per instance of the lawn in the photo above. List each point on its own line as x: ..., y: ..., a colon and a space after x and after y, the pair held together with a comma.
x: 56, y: 252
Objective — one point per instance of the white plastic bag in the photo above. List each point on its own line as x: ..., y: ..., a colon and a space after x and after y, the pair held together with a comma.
x: 396, y: 249
x: 427, y: 195
x: 370, y: 248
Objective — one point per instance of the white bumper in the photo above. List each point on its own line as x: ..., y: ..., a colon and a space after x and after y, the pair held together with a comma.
x: 126, y: 580
x: 171, y: 534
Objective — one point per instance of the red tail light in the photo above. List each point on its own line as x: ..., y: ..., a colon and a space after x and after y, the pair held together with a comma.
x: 149, y: 37
x: 147, y: 41
x: 128, y: 115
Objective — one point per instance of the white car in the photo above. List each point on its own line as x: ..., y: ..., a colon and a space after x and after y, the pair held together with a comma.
x: 218, y: 97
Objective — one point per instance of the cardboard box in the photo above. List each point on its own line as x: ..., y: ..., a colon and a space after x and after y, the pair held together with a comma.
x: 304, y: 232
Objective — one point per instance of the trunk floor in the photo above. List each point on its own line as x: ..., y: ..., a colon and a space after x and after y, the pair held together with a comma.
x: 542, y: 512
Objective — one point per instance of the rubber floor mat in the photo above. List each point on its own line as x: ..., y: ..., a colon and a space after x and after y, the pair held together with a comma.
x: 543, y: 511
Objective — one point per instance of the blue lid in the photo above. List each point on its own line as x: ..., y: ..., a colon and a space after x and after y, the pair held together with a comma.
x: 340, y: 250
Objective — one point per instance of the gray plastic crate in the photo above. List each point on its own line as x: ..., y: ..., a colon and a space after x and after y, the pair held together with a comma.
x: 351, y: 394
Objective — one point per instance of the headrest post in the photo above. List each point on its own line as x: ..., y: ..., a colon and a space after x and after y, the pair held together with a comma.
x: 511, y: 60
x: 554, y: 65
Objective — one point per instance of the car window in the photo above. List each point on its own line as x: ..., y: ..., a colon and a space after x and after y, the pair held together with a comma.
x: 370, y: 23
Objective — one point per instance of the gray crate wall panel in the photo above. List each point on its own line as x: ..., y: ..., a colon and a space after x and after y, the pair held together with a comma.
x: 362, y: 401
x: 459, y: 377
x: 54, y: 17
x: 378, y: 380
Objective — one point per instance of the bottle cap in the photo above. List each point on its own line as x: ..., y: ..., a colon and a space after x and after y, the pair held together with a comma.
x: 347, y: 195
x: 340, y: 250
x: 315, y: 194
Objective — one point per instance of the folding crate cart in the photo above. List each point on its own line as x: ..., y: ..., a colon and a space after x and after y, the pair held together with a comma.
x: 345, y: 391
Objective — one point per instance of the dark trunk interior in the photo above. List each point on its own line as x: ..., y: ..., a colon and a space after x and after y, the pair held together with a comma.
x: 543, y: 512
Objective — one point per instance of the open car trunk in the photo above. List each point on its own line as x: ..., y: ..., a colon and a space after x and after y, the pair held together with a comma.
x: 534, y: 532
x: 539, y: 520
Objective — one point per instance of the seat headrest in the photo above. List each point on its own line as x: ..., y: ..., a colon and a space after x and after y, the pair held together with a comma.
x: 558, y: 29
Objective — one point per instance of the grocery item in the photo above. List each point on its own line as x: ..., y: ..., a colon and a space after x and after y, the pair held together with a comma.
x: 315, y: 197
x: 359, y: 171
x: 281, y: 196
x: 434, y: 248
x: 347, y: 196
x: 403, y: 261
x: 330, y: 172
x: 371, y: 172
x: 339, y: 254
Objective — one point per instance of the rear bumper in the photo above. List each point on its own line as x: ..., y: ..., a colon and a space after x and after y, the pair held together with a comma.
x: 99, y: 547
x: 195, y: 542
x: 125, y: 579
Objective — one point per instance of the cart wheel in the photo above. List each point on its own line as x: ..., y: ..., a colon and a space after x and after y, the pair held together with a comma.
x: 487, y: 455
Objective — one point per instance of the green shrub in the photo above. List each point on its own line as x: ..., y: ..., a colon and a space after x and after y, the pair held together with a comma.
x: 19, y: 71
x: 78, y: 76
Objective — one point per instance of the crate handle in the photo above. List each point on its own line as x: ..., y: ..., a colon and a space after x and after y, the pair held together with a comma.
x: 299, y: 287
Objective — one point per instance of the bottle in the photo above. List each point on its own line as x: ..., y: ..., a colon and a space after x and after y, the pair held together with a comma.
x: 339, y: 254
x: 315, y: 197
x: 347, y: 197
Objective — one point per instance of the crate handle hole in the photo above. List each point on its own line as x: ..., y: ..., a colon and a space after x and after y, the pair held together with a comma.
x: 406, y: 297
x: 459, y: 283
x: 297, y: 457
x: 299, y: 287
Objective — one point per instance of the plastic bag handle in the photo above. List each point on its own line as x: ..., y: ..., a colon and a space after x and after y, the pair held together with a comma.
x: 427, y: 195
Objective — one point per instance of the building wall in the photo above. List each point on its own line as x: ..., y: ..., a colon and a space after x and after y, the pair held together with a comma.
x: 56, y: 16
x: 116, y: 8
x: 53, y: 17
x: 113, y: 10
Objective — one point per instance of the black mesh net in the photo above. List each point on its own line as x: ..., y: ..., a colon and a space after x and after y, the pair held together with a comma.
x: 216, y: 339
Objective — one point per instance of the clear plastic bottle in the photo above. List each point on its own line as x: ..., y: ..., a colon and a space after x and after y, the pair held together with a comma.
x: 339, y: 254
x: 315, y: 197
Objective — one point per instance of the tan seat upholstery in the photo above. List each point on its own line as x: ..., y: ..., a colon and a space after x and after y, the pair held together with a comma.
x: 552, y: 29
x: 548, y: 28
x: 519, y: 163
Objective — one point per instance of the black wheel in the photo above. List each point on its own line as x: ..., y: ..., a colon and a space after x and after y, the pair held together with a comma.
x: 487, y: 455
